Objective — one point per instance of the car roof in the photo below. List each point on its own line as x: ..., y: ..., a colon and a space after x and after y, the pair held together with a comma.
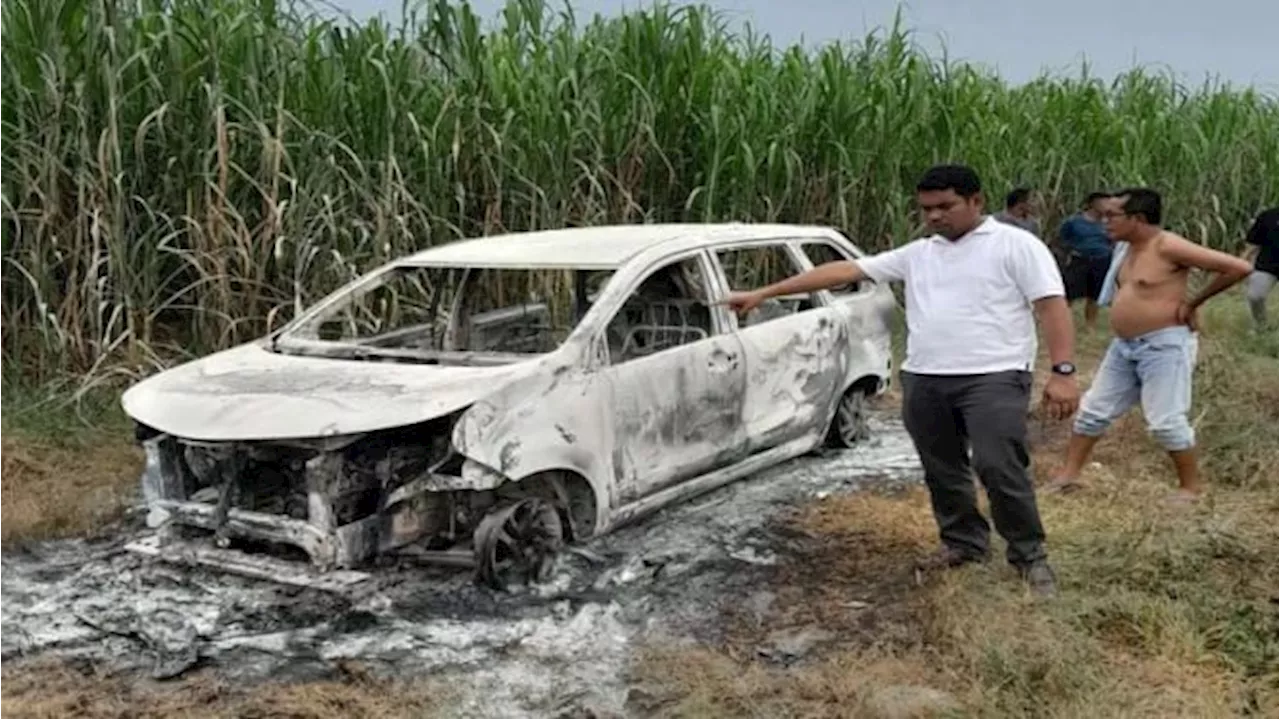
x: 605, y: 247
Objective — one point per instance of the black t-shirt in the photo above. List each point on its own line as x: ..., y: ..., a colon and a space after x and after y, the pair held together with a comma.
x: 1263, y: 234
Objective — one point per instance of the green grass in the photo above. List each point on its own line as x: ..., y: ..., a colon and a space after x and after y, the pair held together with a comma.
x: 59, y: 413
x: 177, y: 180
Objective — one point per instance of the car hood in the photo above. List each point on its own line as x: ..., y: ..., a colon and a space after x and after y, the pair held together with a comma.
x: 251, y: 393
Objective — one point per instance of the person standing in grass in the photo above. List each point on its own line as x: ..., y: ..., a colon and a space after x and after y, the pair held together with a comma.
x: 1261, y: 251
x: 973, y: 289
x: 1019, y: 210
x: 1088, y: 255
x: 1152, y: 356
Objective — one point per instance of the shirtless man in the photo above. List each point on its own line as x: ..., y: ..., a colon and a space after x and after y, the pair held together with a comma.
x: 1154, y: 349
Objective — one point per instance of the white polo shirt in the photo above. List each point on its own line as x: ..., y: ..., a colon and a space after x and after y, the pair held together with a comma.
x: 969, y: 300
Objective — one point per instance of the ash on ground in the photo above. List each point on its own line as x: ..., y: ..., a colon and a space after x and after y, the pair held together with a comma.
x: 566, y: 643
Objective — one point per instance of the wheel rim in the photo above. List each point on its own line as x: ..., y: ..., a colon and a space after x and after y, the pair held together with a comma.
x: 851, y: 418
x: 515, y: 544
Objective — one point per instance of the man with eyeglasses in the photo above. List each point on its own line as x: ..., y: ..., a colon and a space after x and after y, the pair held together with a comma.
x: 1151, y: 358
x: 1088, y: 254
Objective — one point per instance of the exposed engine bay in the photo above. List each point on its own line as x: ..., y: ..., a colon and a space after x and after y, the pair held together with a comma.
x: 341, y: 503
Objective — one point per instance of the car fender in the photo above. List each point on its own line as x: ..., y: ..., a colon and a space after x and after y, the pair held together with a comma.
x: 553, y: 420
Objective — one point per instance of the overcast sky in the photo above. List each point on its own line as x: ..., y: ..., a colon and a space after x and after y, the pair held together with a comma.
x: 1235, y: 40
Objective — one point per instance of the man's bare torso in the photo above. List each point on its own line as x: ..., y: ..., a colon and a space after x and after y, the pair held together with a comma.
x: 1149, y: 289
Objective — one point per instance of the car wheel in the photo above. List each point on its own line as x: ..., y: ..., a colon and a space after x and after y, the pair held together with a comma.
x: 515, y: 544
x: 851, y: 425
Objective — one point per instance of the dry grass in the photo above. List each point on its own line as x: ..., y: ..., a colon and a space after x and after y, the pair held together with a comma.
x: 65, y: 690
x: 56, y: 489
x: 1162, y: 612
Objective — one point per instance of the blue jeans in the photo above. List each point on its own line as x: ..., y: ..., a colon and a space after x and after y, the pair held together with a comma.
x: 1154, y: 368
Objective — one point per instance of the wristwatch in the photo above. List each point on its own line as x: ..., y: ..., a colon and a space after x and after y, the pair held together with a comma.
x: 1064, y: 368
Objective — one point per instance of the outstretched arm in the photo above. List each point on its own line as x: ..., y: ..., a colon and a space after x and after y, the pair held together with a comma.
x: 883, y: 267
x: 1229, y: 270
x: 824, y: 276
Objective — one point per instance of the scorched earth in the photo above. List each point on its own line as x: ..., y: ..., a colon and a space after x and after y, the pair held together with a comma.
x: 567, y: 643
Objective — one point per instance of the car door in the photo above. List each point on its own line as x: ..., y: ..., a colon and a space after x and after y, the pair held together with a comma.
x: 676, y: 379
x: 796, y: 352
x: 864, y: 307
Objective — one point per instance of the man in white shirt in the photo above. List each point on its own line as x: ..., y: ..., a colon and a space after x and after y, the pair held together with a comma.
x: 972, y: 291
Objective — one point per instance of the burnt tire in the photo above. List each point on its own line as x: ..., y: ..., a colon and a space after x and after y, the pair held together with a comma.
x: 515, y: 544
x: 851, y: 425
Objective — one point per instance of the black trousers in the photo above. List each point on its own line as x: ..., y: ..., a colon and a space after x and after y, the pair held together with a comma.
x: 950, y: 416
x: 1084, y: 276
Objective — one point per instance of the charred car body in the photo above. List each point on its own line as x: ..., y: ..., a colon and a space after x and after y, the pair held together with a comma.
x: 485, y: 402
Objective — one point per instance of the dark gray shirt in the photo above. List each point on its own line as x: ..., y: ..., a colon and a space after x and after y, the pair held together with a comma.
x: 1030, y: 224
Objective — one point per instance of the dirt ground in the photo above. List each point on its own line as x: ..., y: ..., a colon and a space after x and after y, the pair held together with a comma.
x: 789, y: 595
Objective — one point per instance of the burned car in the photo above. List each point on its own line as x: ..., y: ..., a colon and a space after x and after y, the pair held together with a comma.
x: 488, y: 401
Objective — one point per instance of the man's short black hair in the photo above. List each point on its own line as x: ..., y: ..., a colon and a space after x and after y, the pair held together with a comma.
x: 1143, y: 201
x: 1017, y: 196
x: 960, y: 178
x: 1093, y: 197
